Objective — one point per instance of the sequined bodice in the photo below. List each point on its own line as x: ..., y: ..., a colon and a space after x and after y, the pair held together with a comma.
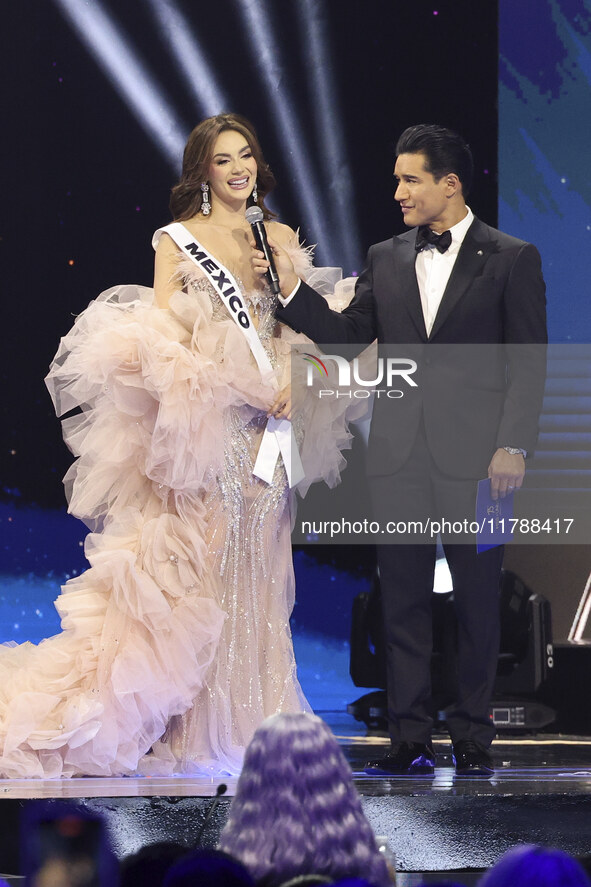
x: 261, y: 305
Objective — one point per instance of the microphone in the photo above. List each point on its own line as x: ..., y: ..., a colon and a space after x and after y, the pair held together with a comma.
x: 221, y: 790
x: 254, y: 216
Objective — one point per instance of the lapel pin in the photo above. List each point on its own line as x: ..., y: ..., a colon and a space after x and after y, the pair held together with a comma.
x: 479, y: 253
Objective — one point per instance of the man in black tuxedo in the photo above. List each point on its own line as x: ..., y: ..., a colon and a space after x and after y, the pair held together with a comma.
x: 451, y: 280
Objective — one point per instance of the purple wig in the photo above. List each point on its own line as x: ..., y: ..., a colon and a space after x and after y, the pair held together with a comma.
x: 530, y: 866
x: 296, y: 810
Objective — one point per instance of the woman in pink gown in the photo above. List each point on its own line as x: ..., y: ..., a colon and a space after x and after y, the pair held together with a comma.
x: 175, y: 643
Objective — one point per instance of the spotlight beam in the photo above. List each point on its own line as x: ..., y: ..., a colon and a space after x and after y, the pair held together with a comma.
x: 128, y: 74
x: 189, y: 58
x: 266, y: 50
x: 334, y: 158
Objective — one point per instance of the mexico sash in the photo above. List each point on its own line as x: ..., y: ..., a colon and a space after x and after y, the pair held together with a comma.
x: 278, y: 437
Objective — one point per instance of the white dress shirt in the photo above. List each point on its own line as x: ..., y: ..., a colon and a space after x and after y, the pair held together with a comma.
x: 285, y: 300
x: 433, y: 269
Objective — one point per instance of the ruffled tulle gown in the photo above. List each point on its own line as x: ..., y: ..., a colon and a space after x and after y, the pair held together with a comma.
x: 175, y: 643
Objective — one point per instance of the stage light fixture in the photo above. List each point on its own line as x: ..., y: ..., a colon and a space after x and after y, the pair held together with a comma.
x: 267, y: 54
x: 336, y: 171
x: 189, y: 58
x: 130, y: 76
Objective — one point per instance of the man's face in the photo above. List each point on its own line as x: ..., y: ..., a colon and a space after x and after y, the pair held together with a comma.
x: 423, y: 201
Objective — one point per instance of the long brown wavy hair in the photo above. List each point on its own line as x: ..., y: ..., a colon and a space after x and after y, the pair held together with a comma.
x: 186, y: 197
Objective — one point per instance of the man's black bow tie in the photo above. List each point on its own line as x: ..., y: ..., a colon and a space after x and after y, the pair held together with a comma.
x: 426, y: 237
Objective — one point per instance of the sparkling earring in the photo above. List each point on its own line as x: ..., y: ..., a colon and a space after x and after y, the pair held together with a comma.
x: 255, y: 195
x: 205, y: 204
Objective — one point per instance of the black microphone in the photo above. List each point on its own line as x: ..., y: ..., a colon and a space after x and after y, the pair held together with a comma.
x: 221, y: 790
x: 254, y: 216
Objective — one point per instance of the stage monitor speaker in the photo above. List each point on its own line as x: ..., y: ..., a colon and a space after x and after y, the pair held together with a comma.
x: 569, y: 687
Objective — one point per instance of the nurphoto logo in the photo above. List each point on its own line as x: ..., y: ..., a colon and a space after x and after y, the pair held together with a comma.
x: 350, y: 373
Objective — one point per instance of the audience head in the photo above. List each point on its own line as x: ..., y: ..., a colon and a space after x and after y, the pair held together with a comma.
x: 530, y: 866
x: 443, y: 884
x: 208, y: 867
x: 150, y: 864
x: 65, y: 843
x: 352, y: 882
x: 296, y: 809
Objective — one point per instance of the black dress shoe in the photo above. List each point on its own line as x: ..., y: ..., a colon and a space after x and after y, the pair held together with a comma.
x: 412, y: 758
x: 472, y: 759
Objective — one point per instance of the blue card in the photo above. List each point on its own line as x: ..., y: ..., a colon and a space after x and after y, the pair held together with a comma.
x: 494, y: 518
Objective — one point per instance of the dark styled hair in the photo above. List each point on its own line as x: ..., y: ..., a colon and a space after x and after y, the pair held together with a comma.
x: 445, y: 151
x: 296, y: 810
x: 531, y: 866
x: 186, y: 196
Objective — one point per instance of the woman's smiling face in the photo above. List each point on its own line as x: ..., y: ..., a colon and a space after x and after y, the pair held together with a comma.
x: 233, y: 169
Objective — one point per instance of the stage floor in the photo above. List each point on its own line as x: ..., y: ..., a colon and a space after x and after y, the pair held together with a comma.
x: 540, y: 793
x: 540, y: 765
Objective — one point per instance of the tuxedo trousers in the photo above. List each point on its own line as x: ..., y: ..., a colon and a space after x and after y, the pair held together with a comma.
x: 413, y: 497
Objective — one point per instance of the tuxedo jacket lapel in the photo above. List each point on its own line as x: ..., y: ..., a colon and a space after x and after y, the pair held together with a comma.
x: 408, y: 286
x: 472, y: 256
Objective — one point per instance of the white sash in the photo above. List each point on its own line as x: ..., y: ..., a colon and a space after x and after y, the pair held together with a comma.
x: 278, y: 436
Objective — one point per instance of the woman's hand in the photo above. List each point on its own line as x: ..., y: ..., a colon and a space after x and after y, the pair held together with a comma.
x: 282, y: 407
x: 287, y: 276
